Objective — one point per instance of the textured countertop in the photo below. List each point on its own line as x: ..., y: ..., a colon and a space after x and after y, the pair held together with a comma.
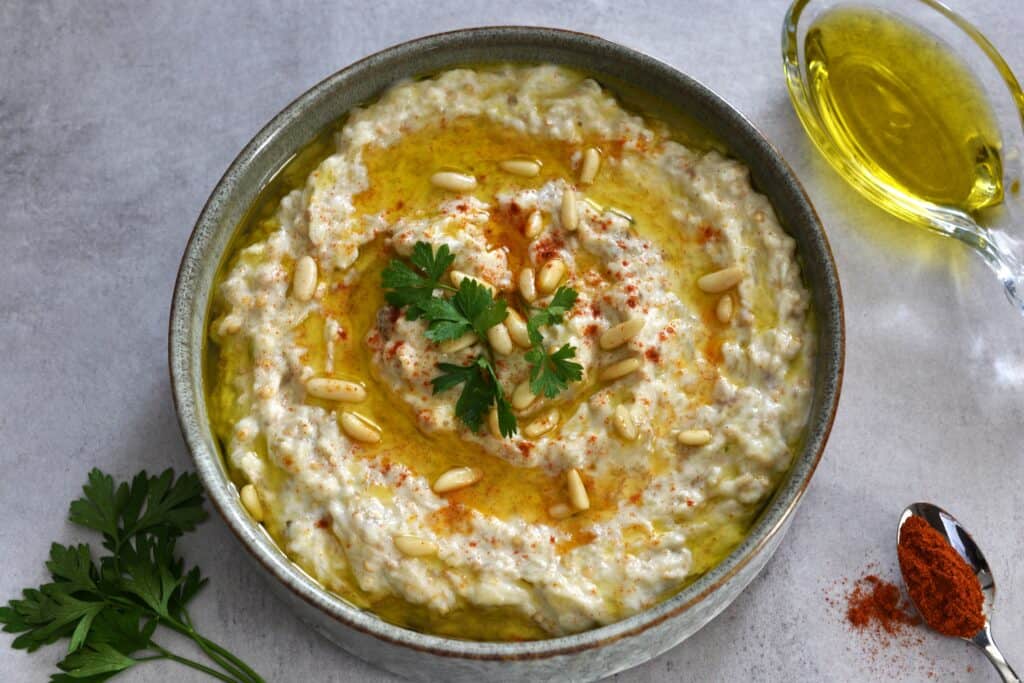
x: 116, y: 120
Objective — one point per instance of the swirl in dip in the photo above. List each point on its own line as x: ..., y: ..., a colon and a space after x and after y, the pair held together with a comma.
x: 615, y: 493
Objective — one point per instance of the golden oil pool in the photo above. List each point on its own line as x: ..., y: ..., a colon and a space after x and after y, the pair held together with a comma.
x: 903, y: 108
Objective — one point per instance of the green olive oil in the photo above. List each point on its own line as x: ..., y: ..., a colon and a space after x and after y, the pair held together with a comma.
x: 903, y: 109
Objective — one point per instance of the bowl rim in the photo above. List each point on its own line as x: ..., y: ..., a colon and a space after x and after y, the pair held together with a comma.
x: 771, y: 521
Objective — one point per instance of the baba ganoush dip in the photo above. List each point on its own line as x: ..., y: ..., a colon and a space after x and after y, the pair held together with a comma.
x: 691, y: 327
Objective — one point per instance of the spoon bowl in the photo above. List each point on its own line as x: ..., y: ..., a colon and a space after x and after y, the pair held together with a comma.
x: 958, y: 538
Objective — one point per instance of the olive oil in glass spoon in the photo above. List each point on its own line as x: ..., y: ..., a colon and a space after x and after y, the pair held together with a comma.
x: 907, y: 123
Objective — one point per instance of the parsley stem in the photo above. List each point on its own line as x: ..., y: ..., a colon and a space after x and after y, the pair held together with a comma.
x: 167, y: 654
x: 208, y: 646
x: 220, y: 655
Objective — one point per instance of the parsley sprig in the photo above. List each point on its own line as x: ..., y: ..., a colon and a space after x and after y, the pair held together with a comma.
x: 110, y: 608
x: 550, y: 373
x: 480, y: 391
x: 472, y: 308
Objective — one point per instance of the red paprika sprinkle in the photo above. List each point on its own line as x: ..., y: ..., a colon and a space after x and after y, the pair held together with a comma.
x: 878, y: 604
x: 940, y: 582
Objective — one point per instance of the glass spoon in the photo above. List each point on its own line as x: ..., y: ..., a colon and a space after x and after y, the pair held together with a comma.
x: 964, y: 545
x: 1002, y: 251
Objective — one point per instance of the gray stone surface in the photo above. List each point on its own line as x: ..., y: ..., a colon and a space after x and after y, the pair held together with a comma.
x: 116, y: 119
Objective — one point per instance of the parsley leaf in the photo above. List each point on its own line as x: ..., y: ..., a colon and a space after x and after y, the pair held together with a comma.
x: 551, y: 373
x: 453, y: 375
x: 479, y: 307
x: 446, y: 320
x: 561, y: 303
x: 72, y: 565
x: 148, y: 503
x: 46, y: 615
x: 97, y: 659
x: 431, y: 264
x: 507, y: 424
x: 109, y: 608
x: 481, y: 389
x: 472, y: 309
x: 409, y: 287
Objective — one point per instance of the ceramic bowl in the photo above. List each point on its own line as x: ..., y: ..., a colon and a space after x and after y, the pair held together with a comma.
x: 583, y: 656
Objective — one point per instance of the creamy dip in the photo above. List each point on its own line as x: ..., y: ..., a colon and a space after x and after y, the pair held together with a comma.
x: 614, y: 494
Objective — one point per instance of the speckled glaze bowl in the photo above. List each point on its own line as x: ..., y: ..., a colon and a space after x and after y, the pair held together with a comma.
x: 584, y: 656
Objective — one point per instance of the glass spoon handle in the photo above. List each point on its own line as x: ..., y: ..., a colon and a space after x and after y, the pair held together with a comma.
x: 1009, y: 271
x: 988, y: 646
x: 1004, y: 264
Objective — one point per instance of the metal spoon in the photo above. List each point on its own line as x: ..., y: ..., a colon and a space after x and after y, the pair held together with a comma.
x: 961, y: 541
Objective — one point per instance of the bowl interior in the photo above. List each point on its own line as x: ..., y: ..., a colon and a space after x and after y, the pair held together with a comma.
x: 328, y: 102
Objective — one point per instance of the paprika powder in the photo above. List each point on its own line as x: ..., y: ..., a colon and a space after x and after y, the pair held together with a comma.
x: 941, y: 584
x: 874, y: 602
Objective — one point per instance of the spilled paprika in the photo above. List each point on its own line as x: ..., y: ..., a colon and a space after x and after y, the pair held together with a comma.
x: 941, y: 584
x: 876, y: 603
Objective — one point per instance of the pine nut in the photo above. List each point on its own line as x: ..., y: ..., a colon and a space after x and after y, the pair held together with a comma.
x: 542, y: 425
x: 457, y: 276
x: 591, y: 163
x: 577, y: 491
x: 523, y: 167
x: 694, y: 437
x: 620, y: 369
x: 560, y: 511
x: 522, y: 396
x: 550, y: 275
x: 453, y: 182
x: 251, y: 502
x: 527, y: 284
x: 624, y: 424
x: 360, y: 428
x: 414, y: 546
x: 616, y: 336
x: 720, y: 280
x: 500, y: 340
x: 457, y: 478
x: 332, y: 389
x: 456, y: 345
x: 517, y: 329
x: 304, y: 279
x: 534, y: 225
x: 570, y: 214
x: 724, y: 309
x: 494, y: 424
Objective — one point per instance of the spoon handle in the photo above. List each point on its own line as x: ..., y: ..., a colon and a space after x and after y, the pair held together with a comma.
x: 988, y: 646
x: 999, y: 257
x: 1008, y: 269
